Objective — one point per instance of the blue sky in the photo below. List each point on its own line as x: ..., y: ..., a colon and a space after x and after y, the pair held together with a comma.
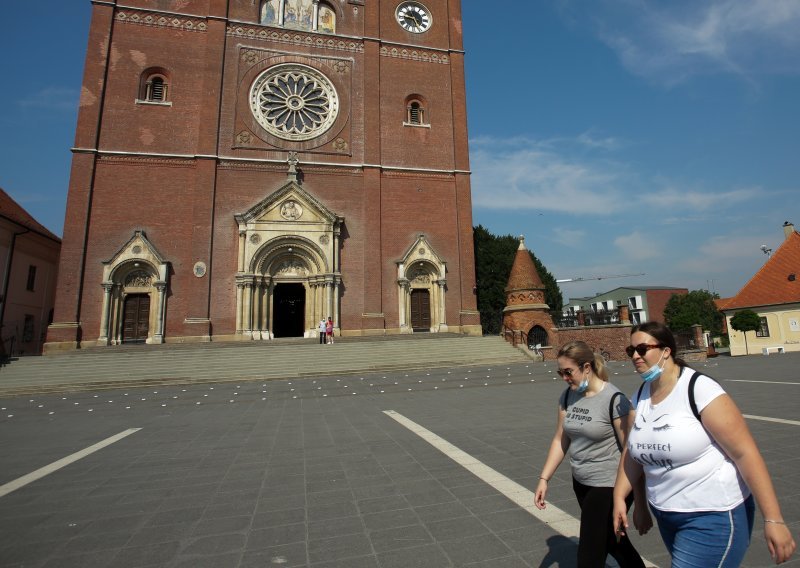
x: 619, y: 136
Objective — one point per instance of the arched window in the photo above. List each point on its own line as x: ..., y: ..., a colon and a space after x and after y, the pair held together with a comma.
x: 537, y: 336
x: 154, y: 87
x: 156, y: 90
x: 415, y: 112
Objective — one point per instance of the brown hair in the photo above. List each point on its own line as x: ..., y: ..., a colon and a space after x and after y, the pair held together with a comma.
x: 663, y: 335
x: 581, y: 353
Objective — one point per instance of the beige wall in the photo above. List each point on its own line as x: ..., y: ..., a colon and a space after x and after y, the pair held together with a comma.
x: 784, y: 330
x: 30, y: 249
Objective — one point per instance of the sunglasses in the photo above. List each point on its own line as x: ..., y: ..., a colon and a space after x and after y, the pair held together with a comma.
x: 641, y: 349
x: 566, y: 372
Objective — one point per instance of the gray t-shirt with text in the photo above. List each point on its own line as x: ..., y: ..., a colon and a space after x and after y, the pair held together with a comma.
x: 593, y: 452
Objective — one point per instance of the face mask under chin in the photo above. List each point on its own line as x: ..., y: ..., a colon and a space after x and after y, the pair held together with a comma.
x: 655, y: 371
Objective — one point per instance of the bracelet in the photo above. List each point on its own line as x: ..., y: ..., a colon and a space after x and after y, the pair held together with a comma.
x: 774, y: 521
x: 545, y: 479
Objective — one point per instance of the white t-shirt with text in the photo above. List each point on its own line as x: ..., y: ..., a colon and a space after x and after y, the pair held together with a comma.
x: 685, y: 469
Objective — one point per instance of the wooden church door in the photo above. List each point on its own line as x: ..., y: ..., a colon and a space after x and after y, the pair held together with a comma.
x: 421, y: 310
x: 136, y: 318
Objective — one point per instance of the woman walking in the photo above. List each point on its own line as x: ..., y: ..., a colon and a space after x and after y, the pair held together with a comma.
x: 701, y: 465
x: 591, y: 427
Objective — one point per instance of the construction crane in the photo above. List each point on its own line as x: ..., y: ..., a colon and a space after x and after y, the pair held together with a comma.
x: 582, y: 278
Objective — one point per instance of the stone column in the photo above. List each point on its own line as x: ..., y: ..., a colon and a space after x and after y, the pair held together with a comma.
x: 242, y: 247
x: 442, y: 305
x: 329, y: 298
x: 247, y: 312
x: 103, y: 339
x: 239, y: 303
x: 161, y: 287
x: 403, y: 283
x: 337, y: 280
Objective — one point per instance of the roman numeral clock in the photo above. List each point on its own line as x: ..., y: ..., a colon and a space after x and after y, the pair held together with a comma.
x: 413, y: 17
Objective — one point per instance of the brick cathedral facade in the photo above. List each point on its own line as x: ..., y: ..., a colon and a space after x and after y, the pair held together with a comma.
x: 243, y: 169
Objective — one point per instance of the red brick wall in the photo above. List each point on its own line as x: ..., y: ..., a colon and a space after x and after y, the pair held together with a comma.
x: 391, y: 182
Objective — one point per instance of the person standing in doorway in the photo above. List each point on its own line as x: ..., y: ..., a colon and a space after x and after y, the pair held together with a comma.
x: 329, y: 330
x: 322, y: 331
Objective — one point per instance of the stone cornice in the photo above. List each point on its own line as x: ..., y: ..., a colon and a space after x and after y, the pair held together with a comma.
x: 414, y: 55
x: 161, y: 20
x: 387, y: 170
x: 295, y: 38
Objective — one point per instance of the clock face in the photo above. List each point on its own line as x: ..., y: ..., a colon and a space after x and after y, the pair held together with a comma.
x: 413, y: 17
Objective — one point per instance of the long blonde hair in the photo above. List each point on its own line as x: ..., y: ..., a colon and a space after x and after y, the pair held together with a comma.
x: 581, y: 353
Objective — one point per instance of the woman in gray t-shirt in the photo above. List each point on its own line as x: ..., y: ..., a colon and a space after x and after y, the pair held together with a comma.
x: 593, y: 421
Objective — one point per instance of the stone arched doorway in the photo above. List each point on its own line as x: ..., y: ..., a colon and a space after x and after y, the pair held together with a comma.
x: 288, y: 257
x: 422, y: 288
x: 134, y: 294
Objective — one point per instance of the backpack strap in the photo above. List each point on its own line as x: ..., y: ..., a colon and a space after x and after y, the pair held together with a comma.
x: 611, y: 418
x: 692, y: 403
x: 564, y: 396
x: 639, y: 393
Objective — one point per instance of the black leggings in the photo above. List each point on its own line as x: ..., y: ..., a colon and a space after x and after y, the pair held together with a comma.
x: 597, y: 529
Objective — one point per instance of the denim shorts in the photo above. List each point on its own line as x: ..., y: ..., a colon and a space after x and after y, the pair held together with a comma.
x: 708, y: 538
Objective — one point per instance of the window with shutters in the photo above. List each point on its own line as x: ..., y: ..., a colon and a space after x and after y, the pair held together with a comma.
x: 416, y: 114
x: 154, y: 88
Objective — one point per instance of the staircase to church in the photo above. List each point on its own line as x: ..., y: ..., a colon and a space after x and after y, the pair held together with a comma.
x: 147, y: 365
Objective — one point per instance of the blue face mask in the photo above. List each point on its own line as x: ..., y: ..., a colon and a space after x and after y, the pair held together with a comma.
x: 653, y: 372
x: 583, y: 386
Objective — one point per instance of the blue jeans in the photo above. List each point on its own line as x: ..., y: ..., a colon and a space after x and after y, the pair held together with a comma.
x: 709, y: 538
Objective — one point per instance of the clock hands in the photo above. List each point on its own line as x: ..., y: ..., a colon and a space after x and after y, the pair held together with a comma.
x: 413, y: 18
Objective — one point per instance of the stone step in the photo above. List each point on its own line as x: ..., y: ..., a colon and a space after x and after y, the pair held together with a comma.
x: 147, y: 365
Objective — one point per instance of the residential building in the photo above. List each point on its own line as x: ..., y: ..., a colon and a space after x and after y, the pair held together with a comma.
x: 645, y: 303
x: 774, y: 294
x: 29, y: 263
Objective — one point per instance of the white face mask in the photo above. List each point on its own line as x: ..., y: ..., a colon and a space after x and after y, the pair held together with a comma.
x: 655, y: 371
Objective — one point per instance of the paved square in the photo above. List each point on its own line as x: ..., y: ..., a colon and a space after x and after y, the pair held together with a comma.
x: 313, y: 472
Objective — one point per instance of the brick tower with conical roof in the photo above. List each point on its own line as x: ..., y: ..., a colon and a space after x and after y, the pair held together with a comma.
x: 526, y: 310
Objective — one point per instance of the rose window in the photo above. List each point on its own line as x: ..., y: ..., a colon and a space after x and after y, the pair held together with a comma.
x: 294, y: 102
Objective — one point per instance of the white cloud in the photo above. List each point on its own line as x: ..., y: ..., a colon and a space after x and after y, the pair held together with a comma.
x: 668, y: 42
x: 525, y: 174
x: 608, y: 143
x: 568, y: 237
x: 52, y: 98
x: 637, y: 246
x: 700, y: 200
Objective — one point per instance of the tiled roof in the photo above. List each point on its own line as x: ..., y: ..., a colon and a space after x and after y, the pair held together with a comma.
x: 778, y: 281
x: 524, y: 275
x: 11, y: 210
x: 721, y: 303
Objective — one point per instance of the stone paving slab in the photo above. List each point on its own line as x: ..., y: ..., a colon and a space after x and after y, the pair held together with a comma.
x: 311, y: 472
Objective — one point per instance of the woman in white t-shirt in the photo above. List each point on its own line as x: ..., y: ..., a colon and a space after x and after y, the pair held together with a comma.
x: 593, y: 418
x: 701, y: 465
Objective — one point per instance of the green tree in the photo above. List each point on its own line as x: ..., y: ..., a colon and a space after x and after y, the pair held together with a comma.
x: 697, y: 307
x: 494, y: 256
x: 744, y: 321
